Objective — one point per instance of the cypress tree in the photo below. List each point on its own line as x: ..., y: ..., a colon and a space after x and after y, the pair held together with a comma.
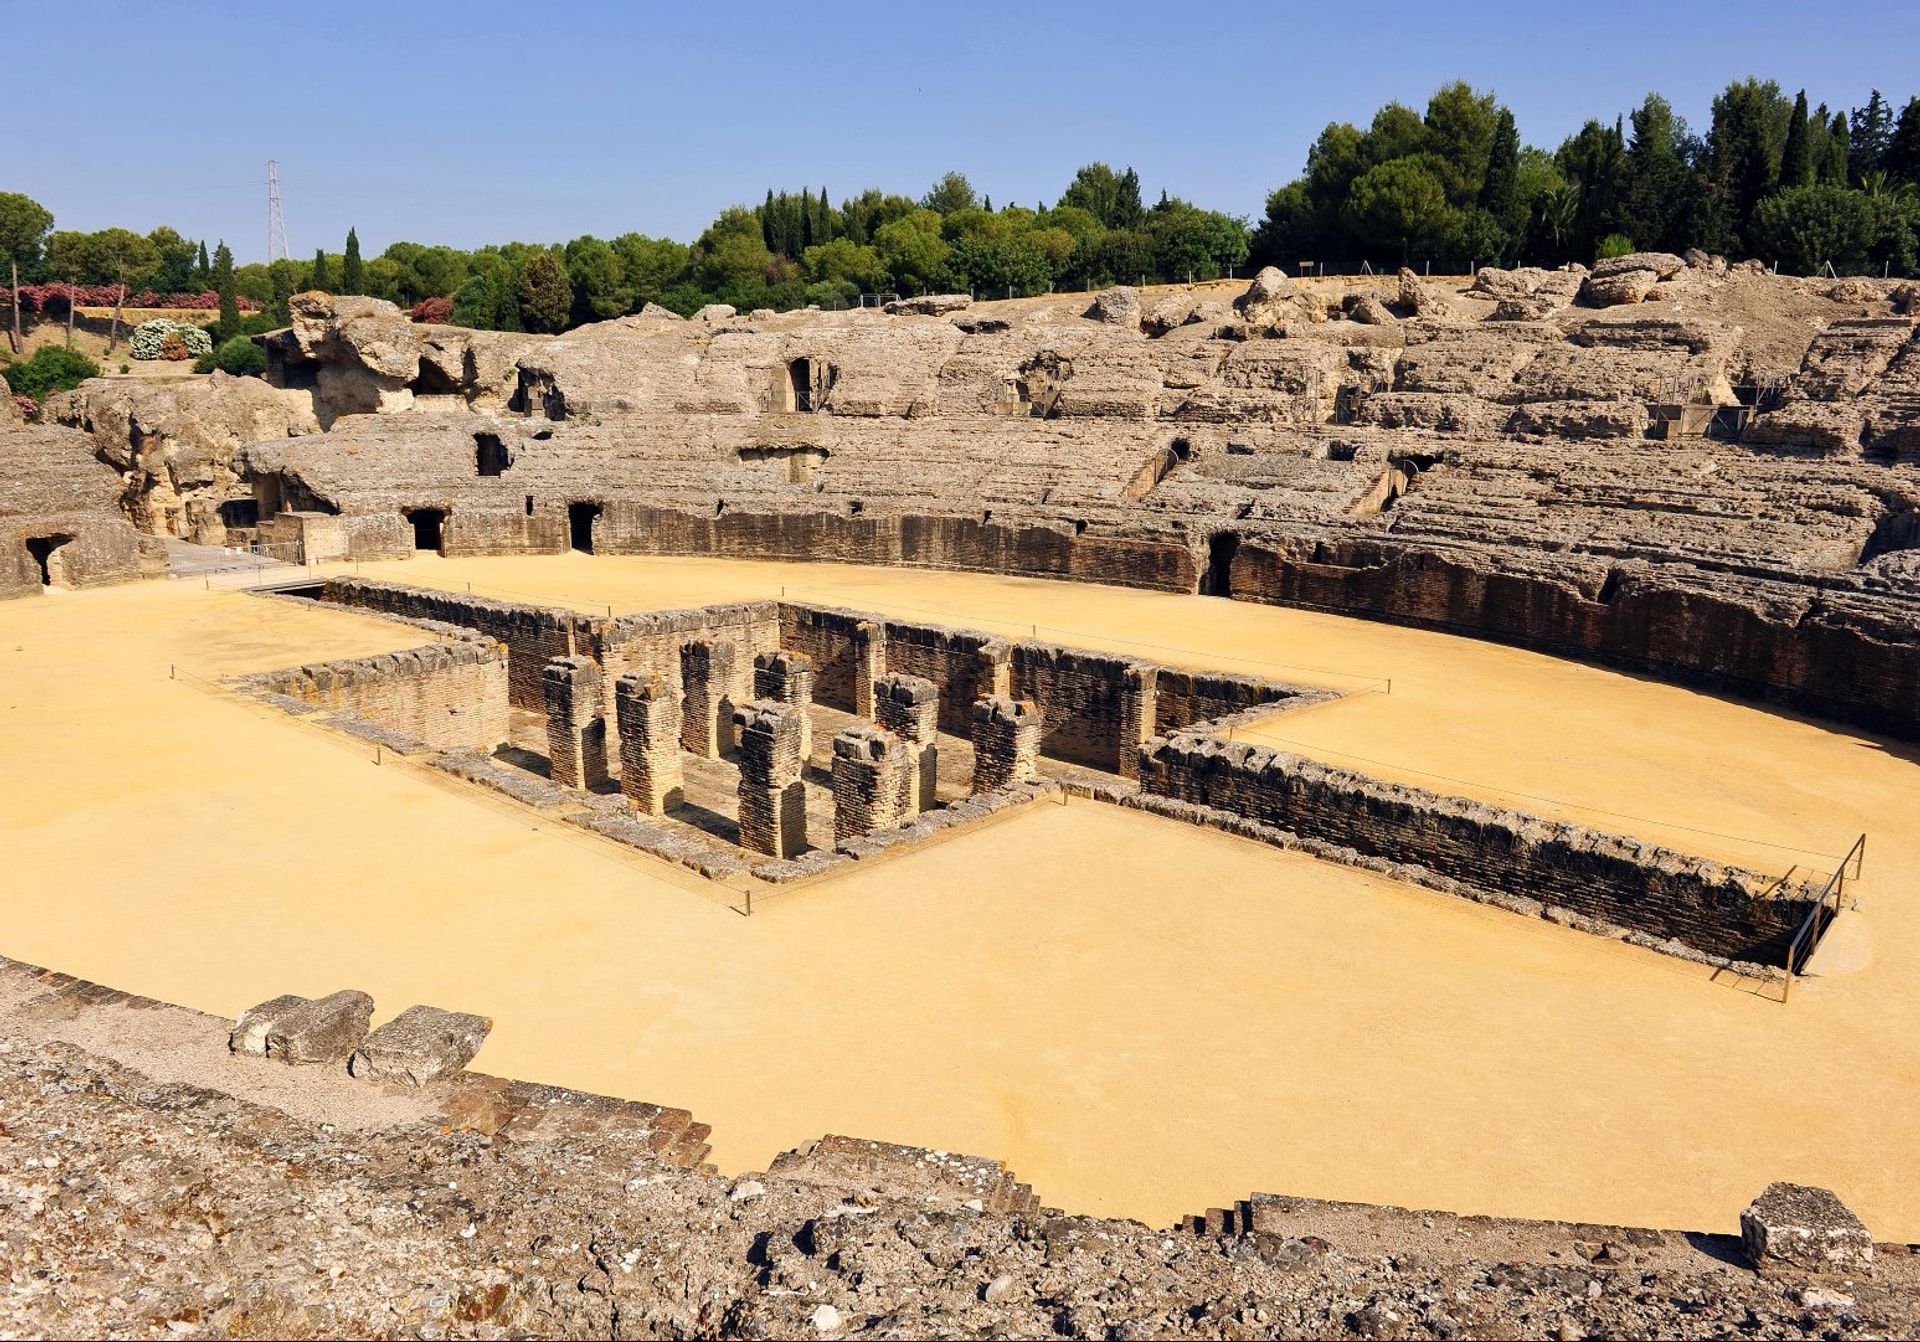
x: 229, y: 296
x: 766, y: 223
x: 1796, y: 159
x: 203, y: 269
x: 1833, y: 169
x: 352, y: 273
x: 806, y: 219
x: 322, y: 276
x: 824, y: 229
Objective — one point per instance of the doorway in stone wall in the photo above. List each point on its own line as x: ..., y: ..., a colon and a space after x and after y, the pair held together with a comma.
x: 1222, y: 546
x: 580, y: 519
x: 428, y: 526
x: 47, y: 558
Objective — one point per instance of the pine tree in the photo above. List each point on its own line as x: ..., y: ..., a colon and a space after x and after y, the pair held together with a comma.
x: 1871, y: 128
x: 352, y: 273
x: 229, y: 296
x: 203, y: 269
x: 322, y: 276
x: 1902, y: 161
x: 1833, y: 168
x: 1796, y: 159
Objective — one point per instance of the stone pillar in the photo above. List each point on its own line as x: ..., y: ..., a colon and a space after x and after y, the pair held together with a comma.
x: 706, y: 682
x: 647, y: 711
x: 993, y: 671
x: 1139, y: 710
x: 773, y: 800
x: 1006, y: 742
x: 576, y: 724
x: 869, y: 664
x: 909, y: 707
x: 787, y: 678
x: 869, y: 766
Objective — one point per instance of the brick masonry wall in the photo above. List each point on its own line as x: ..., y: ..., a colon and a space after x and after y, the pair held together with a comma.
x: 1796, y: 646
x: 450, y: 696
x: 577, y: 735
x: 869, y: 780
x: 1704, y: 905
x: 1089, y: 716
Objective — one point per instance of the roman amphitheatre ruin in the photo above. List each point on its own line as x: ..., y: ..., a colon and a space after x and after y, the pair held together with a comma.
x: 1378, y: 807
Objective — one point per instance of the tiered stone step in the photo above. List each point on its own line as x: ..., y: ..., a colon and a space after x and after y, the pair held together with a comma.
x: 937, y: 1176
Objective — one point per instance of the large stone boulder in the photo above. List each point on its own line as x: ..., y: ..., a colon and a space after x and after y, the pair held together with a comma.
x: 420, y: 1045
x: 1628, y: 286
x: 298, y: 1031
x: 929, y: 305
x: 1268, y: 300
x: 1417, y: 298
x: 1796, y: 1230
x: 1664, y: 265
x: 1368, y: 311
x: 1118, y: 306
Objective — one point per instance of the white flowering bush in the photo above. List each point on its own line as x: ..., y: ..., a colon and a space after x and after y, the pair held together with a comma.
x: 164, y: 338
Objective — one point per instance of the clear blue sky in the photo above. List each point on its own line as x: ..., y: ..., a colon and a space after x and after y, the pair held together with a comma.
x: 482, y: 122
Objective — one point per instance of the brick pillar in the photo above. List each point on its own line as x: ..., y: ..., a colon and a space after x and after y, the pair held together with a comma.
x: 576, y: 725
x: 787, y: 678
x: 869, y: 766
x: 869, y: 664
x: 706, y: 714
x: 647, y: 710
x: 993, y: 671
x: 1006, y: 742
x: 773, y: 800
x: 909, y: 707
x: 1139, y: 688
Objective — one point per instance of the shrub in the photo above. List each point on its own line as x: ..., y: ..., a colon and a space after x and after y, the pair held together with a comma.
x: 151, y: 340
x: 27, y: 406
x: 436, y: 310
x: 37, y: 297
x: 1614, y: 244
x: 52, y: 368
x: 238, y: 356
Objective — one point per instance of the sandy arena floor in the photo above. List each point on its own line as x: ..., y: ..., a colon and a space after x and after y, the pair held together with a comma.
x: 1140, y: 1017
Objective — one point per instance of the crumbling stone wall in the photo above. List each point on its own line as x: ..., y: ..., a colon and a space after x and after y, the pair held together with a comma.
x: 1705, y: 905
x: 848, y: 650
x: 654, y: 642
x: 962, y: 664
x: 448, y: 696
x: 710, y: 684
x: 1098, y: 709
x: 909, y: 707
x: 57, y: 500
x: 784, y: 677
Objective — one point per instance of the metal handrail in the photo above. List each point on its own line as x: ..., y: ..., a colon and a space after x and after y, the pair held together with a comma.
x: 1820, y: 916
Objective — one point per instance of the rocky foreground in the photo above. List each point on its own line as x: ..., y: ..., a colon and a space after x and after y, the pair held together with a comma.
x: 133, y: 1206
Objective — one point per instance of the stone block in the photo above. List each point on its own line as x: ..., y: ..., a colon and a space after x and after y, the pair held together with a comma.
x: 421, y: 1044
x: 1006, y: 743
x: 299, y: 1031
x: 1795, y: 1229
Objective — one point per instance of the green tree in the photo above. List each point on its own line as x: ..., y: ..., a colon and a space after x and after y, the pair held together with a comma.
x: 1460, y: 126
x: 913, y: 251
x: 489, y: 298
x: 1869, y: 129
x: 24, y: 225
x: 321, y: 276
x: 1001, y: 266
x: 172, y: 271
x: 1796, y: 155
x: 353, y: 278
x: 952, y: 192
x: 1656, y: 173
x: 237, y: 355
x: 202, y: 270
x: 1902, y: 159
x: 223, y: 284
x: 1805, y: 227
x: 600, y: 291
x: 650, y: 266
x: 546, y: 298
x: 1399, y: 204
x: 1191, y: 243
x: 1500, y: 193
x: 845, y: 262
x: 1397, y: 132
x: 1111, y: 198
x: 1745, y: 147
x: 1595, y: 161
x: 1834, y: 167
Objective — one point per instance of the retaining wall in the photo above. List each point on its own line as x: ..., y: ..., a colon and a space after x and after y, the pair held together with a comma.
x: 449, y: 696
x: 1710, y: 907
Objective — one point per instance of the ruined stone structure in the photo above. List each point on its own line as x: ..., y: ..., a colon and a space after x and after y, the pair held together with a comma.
x: 60, y: 525
x: 648, y: 718
x: 576, y: 722
x: 443, y: 696
x: 909, y: 707
x: 773, y: 807
x: 1006, y: 742
x: 870, y: 782
x: 707, y: 678
x: 787, y: 678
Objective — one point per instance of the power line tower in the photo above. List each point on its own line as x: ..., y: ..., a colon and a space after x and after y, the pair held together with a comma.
x: 276, y: 221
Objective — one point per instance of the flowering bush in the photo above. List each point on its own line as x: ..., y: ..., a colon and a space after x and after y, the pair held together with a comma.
x: 151, y: 340
x: 27, y: 406
x: 436, y: 310
x: 36, y: 297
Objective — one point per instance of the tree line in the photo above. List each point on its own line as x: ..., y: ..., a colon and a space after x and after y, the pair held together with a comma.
x: 1453, y: 185
x: 1769, y: 177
